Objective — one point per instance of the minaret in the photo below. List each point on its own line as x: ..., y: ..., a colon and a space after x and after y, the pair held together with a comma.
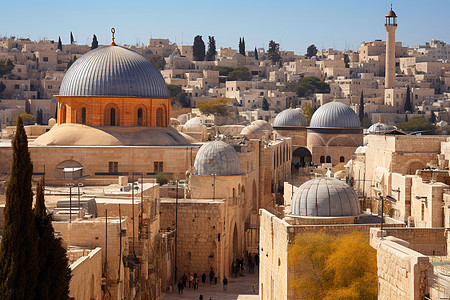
x: 390, y: 26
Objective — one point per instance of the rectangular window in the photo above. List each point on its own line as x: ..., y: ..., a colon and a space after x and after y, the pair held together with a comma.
x: 158, y: 167
x: 16, y: 86
x: 50, y: 87
x: 45, y: 58
x: 113, y: 167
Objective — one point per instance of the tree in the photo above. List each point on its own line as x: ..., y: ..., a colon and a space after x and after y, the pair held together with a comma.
x: 346, y: 60
x: 71, y: 61
x: 239, y: 73
x: 217, y: 107
x: 265, y: 104
x: 256, y: 54
x: 6, y: 66
x: 94, y: 44
x: 242, y: 46
x: 433, y: 118
x: 178, y: 95
x: 311, y: 51
x: 39, y: 116
x: 308, y: 111
x: 198, y: 48
x: 408, y: 104
x: 25, y: 118
x: 54, y: 272
x: 59, y: 43
x: 310, y: 85
x: 72, y: 41
x: 157, y: 60
x: 274, y: 52
x: 19, y: 246
x: 416, y: 124
x: 211, y: 53
x: 328, y: 267
x: 2, y: 88
x: 366, y: 123
x: 361, y: 107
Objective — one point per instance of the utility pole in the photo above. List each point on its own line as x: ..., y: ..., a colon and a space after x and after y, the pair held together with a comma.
x: 176, y: 231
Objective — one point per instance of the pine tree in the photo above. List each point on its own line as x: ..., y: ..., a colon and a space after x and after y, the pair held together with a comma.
x: 59, y: 44
x: 94, y: 44
x: 311, y: 51
x: 54, y: 275
x: 71, y: 38
x: 256, y: 54
x: 19, y: 247
x: 211, y: 53
x: 242, y: 47
x: 361, y: 107
x: 274, y: 52
x: 198, y: 48
x: 408, y: 104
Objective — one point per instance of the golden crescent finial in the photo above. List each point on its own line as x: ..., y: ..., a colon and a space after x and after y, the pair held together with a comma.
x: 379, y: 119
x: 113, y: 30
x: 334, y: 97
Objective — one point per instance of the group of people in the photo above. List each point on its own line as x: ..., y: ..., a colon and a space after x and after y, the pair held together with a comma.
x: 191, y: 280
x: 238, y: 269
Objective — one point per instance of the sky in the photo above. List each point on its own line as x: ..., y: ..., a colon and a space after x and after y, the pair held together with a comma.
x: 294, y: 24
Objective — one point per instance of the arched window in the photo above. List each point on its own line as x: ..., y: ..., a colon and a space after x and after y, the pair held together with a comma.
x: 140, y: 117
x: 112, y: 117
x: 160, y: 118
x: 83, y: 115
x: 341, y: 159
x: 322, y: 159
x: 328, y: 159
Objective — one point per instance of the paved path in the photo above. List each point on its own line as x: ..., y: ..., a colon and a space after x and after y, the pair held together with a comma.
x: 238, y: 289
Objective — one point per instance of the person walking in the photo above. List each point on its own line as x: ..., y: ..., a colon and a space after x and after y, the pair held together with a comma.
x: 190, y: 278
x: 195, y: 283
x: 211, y: 277
x: 225, y: 283
x: 180, y: 287
x: 201, y: 297
x: 204, y: 278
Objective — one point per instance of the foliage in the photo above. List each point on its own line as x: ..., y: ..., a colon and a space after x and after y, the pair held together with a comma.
x: 2, y: 88
x: 178, y: 95
x: 211, y: 53
x: 59, y: 43
x: 6, y: 66
x: 198, y: 48
x: 408, y: 104
x: 308, y: 111
x: 242, y: 46
x: 157, y: 60
x: 162, y: 179
x: 217, y: 107
x: 361, y: 107
x: 274, y: 52
x: 265, y: 104
x: 25, y: 118
x: 71, y: 61
x: 19, y: 245
x: 72, y: 41
x: 310, y: 85
x: 366, y: 123
x: 329, y: 267
x: 433, y: 118
x: 94, y: 44
x: 39, y: 116
x: 346, y: 60
x: 416, y: 124
x: 54, y: 272
x: 311, y: 51
x: 223, y: 71
x: 239, y: 73
x: 256, y: 54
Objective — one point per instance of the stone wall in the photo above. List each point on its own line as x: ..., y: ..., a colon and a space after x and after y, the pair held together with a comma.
x: 86, y: 281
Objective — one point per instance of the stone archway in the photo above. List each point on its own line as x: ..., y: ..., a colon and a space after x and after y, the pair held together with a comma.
x: 302, y: 156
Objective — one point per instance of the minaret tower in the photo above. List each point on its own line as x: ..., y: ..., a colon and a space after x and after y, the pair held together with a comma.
x: 390, y: 26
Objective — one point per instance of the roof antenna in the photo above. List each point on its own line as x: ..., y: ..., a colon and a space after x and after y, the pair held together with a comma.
x: 113, y: 38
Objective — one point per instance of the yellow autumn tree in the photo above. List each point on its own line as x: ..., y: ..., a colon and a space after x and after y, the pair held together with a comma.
x: 308, y: 111
x: 329, y: 267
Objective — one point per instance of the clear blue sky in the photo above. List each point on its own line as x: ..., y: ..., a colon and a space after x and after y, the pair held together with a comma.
x: 294, y: 24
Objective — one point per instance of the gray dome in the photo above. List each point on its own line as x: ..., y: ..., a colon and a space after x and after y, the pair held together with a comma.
x: 380, y: 128
x: 113, y: 71
x: 325, y: 197
x: 335, y: 115
x: 217, y: 158
x: 290, y: 118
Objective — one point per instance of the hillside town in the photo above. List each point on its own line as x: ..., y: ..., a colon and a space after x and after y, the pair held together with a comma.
x: 172, y: 171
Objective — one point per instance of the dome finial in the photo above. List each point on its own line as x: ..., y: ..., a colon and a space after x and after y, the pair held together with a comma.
x: 334, y: 97
x: 113, y: 38
x: 391, y: 6
x: 379, y: 119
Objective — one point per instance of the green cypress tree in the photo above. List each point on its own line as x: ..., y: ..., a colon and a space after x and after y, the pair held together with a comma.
x: 256, y: 54
x: 274, y: 52
x: 211, y: 53
x: 94, y: 42
x: 242, y: 47
x: 408, y: 104
x: 59, y: 44
x: 54, y: 276
x: 72, y: 41
x: 198, y: 48
x: 361, y: 107
x: 19, y: 247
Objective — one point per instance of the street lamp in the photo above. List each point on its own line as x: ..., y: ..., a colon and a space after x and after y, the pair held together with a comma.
x: 79, y: 202
x: 70, y: 186
x: 389, y: 198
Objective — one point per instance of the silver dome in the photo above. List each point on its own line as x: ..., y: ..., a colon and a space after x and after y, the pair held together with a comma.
x: 217, y: 158
x: 335, y: 115
x: 325, y: 197
x: 290, y: 118
x: 113, y: 71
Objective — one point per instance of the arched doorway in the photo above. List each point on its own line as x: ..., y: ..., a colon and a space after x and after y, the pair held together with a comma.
x: 235, y: 243
x: 302, y: 156
x: 69, y: 169
x: 83, y: 115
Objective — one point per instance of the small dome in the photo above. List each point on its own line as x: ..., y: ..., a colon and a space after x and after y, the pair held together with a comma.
x: 217, y: 158
x: 325, y: 197
x: 256, y: 128
x: 14, y: 50
x: 194, y: 125
x: 335, y: 115
x: 290, y: 118
x: 391, y: 14
x: 113, y: 71
x: 380, y: 128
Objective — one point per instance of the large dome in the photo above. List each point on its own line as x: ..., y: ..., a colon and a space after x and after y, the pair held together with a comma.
x: 335, y: 115
x: 113, y: 71
x: 217, y: 158
x: 290, y: 118
x: 325, y: 197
